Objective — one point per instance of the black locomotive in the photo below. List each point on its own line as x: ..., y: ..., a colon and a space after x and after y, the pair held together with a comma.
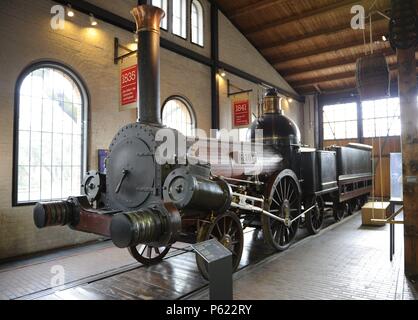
x: 146, y: 206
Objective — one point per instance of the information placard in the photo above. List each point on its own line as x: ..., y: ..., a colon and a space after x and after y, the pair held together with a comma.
x: 129, y: 87
x: 241, y: 111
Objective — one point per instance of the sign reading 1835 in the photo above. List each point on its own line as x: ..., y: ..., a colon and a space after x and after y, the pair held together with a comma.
x: 129, y: 87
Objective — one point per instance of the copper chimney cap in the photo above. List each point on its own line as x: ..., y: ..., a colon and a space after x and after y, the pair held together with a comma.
x: 148, y: 18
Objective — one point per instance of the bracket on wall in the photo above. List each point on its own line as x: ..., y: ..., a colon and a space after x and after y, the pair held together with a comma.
x: 117, y: 47
x: 237, y: 92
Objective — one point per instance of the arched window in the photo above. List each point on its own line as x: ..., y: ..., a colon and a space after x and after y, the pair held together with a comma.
x: 50, y: 134
x: 197, y: 22
x: 179, y: 17
x: 163, y: 5
x: 177, y: 114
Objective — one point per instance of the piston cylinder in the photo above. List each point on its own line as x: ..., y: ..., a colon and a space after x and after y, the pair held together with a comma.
x: 188, y: 191
x: 157, y: 226
x: 53, y: 214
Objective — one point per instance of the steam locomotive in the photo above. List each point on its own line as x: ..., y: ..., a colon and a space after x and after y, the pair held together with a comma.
x: 146, y: 206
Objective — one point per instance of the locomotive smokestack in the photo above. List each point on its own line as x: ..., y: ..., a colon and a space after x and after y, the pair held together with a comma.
x: 148, y: 20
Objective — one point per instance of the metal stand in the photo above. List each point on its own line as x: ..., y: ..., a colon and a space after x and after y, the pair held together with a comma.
x: 393, y: 204
x: 219, y: 261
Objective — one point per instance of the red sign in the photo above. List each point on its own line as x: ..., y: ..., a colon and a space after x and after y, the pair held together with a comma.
x: 241, y: 113
x: 129, y: 85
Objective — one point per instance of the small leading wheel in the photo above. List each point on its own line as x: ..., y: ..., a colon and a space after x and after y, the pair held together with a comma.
x: 315, y: 217
x: 284, y: 202
x: 227, y: 229
x: 148, y: 255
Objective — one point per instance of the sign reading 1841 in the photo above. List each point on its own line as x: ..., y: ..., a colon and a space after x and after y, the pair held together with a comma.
x: 241, y: 113
x: 129, y: 87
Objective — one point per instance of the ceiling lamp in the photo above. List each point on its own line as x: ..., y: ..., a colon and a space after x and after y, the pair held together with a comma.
x: 93, y: 20
x: 70, y: 11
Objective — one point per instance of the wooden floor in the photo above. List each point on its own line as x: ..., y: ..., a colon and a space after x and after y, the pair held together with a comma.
x: 176, y: 277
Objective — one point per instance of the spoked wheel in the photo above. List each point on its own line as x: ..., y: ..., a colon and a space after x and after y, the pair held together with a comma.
x: 315, y: 217
x: 339, y: 211
x: 227, y: 229
x: 148, y: 255
x: 284, y: 202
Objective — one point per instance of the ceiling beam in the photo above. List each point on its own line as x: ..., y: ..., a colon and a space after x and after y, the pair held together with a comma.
x: 251, y: 8
x: 309, y: 35
x: 305, y: 54
x: 307, y: 14
x: 318, y: 80
x: 293, y: 71
x: 334, y: 77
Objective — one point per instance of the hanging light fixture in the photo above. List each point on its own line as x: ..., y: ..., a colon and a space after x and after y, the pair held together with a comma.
x: 93, y: 20
x: 135, y: 37
x: 70, y: 11
x: 222, y: 73
x: 290, y: 100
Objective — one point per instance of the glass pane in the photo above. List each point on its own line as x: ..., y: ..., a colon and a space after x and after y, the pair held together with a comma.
x: 23, y: 183
x: 66, y: 180
x: 67, y: 118
x: 329, y: 129
x: 26, y: 87
x: 351, y: 129
x: 48, y: 87
x: 76, y: 182
x: 77, y: 151
x: 57, y: 150
x: 57, y: 116
x: 395, y: 127
x: 35, y: 149
x: 382, y: 128
x: 368, y: 110
x: 47, y: 149
x: 35, y: 184
x: 37, y: 83
x: 176, y: 115
x: 24, y: 148
x: 47, y: 115
x: 46, y: 180
x: 36, y: 115
x: 340, y: 130
x: 179, y: 17
x: 24, y: 113
x: 67, y: 145
x: 329, y: 114
x: 56, y: 182
x: 381, y: 108
x: 368, y: 128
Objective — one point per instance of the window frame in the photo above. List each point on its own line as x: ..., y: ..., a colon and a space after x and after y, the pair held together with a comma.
x: 188, y: 105
x: 187, y: 19
x: 375, y: 118
x: 85, y: 100
x: 324, y: 122
x: 191, y: 24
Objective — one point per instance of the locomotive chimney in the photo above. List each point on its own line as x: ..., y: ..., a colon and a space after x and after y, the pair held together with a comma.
x: 148, y: 20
